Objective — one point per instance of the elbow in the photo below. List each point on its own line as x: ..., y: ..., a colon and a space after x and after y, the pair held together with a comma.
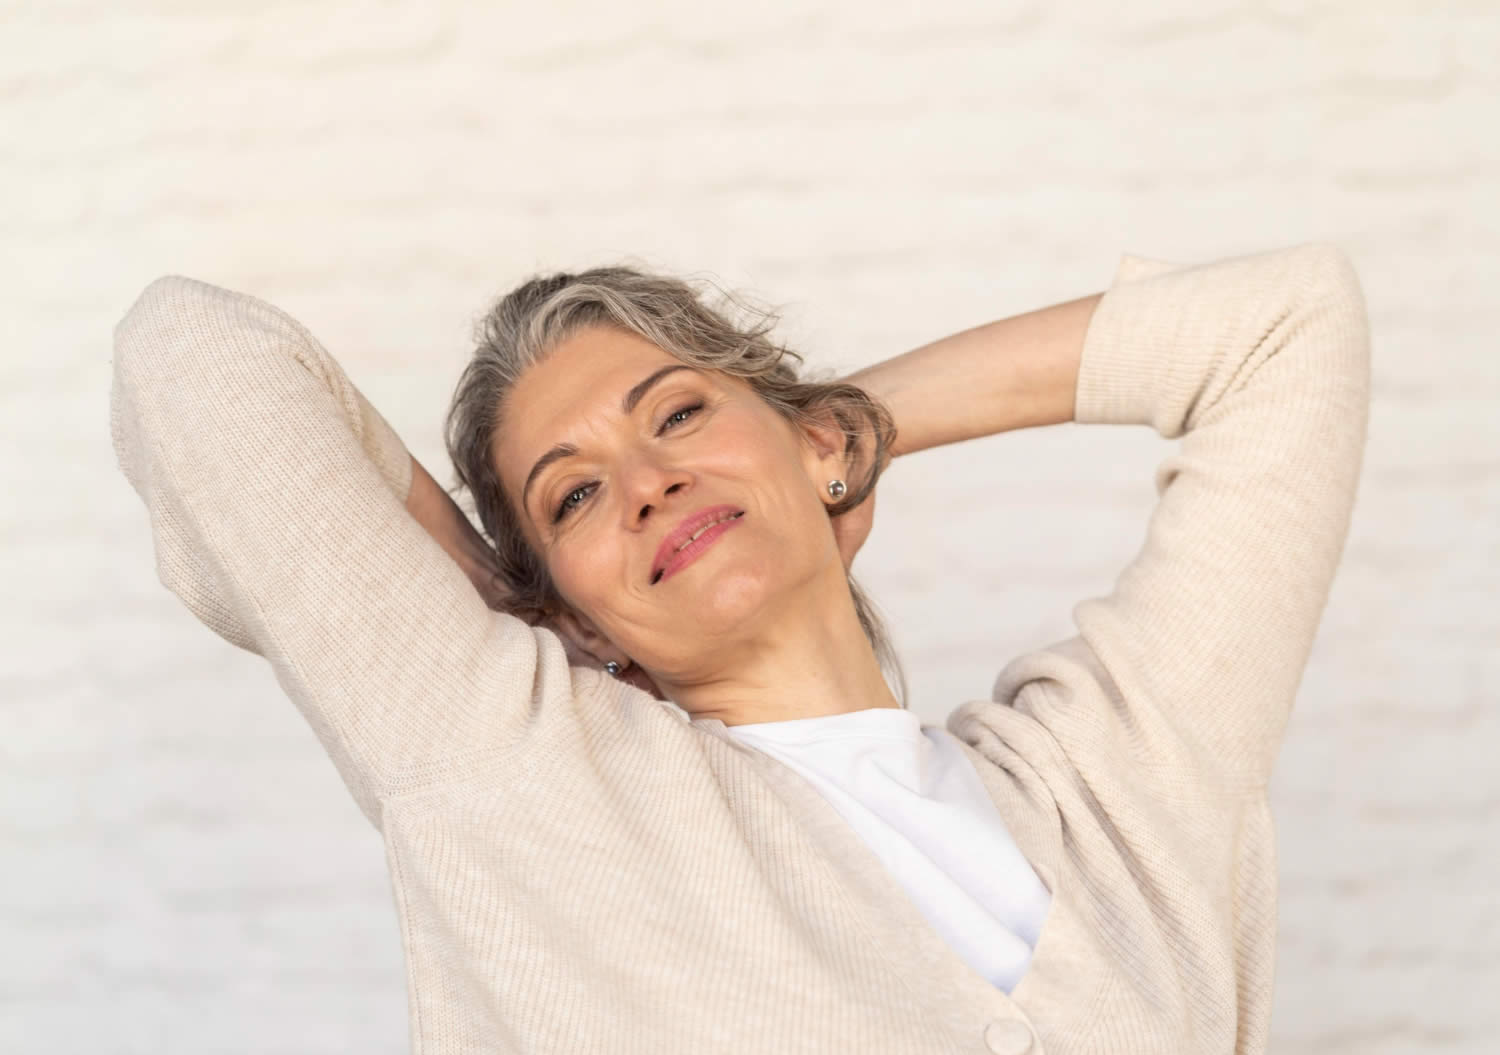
x: 155, y: 307
x: 168, y: 319
x: 1332, y: 293
x: 1331, y: 273
x: 160, y: 293
x: 1333, y: 284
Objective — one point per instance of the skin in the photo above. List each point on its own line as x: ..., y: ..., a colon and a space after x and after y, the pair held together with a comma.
x: 761, y: 627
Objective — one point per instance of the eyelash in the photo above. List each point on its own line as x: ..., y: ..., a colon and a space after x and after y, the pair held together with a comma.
x: 563, y: 509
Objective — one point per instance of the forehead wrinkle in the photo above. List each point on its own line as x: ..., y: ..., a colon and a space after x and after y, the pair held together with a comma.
x: 628, y: 404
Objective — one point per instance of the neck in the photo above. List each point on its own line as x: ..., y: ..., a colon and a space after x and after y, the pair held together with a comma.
x: 810, y: 659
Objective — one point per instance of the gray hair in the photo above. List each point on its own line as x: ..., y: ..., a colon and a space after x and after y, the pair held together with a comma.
x: 546, y: 310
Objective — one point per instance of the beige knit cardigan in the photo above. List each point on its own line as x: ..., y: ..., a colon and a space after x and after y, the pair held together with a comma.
x: 579, y: 867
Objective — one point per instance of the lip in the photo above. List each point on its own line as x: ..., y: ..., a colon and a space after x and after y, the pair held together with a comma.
x: 668, y: 559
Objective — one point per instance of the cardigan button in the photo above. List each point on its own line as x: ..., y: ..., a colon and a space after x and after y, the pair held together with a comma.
x: 1006, y: 1036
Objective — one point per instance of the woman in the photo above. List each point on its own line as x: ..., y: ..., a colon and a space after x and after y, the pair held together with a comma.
x: 644, y: 797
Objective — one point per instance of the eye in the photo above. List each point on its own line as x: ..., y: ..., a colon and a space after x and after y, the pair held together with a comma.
x: 567, y: 506
x: 563, y: 507
x: 672, y: 417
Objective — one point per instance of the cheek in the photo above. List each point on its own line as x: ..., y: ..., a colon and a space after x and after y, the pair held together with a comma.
x: 586, y: 570
x: 747, y: 447
x: 773, y: 463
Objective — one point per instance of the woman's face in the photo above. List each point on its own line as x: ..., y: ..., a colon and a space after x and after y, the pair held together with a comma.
x: 689, y: 440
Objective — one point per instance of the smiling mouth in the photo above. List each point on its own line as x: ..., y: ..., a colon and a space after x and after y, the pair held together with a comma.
x: 662, y: 571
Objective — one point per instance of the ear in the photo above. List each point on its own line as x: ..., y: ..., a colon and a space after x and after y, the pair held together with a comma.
x: 823, y: 452
x: 582, y: 633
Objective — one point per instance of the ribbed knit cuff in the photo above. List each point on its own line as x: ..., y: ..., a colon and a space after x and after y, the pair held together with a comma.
x: 1120, y: 377
x: 384, y: 447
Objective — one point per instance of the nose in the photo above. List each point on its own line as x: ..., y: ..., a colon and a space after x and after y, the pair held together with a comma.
x: 647, y: 485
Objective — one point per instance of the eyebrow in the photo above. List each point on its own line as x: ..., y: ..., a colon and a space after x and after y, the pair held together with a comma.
x: 627, y: 405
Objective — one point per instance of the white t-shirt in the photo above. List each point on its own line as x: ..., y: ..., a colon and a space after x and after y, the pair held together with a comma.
x: 914, y: 797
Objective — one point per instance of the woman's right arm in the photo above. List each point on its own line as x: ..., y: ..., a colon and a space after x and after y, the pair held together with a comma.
x: 441, y: 517
x: 277, y: 501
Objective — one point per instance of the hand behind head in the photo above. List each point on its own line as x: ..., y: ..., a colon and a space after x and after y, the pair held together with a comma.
x: 578, y: 656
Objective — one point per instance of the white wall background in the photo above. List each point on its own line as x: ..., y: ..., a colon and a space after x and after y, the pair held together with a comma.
x: 182, y: 870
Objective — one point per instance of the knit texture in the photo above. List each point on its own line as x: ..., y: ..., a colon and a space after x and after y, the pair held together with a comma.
x: 580, y: 868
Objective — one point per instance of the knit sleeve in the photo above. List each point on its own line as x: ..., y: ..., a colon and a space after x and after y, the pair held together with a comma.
x: 1260, y: 364
x: 276, y: 498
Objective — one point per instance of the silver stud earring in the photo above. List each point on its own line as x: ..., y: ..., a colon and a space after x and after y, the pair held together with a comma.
x: 836, y: 488
x: 612, y: 667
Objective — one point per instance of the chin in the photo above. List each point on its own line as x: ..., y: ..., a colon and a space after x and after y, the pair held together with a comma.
x: 722, y: 601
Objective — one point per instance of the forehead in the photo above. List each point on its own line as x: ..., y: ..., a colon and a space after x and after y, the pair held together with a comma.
x: 581, y: 380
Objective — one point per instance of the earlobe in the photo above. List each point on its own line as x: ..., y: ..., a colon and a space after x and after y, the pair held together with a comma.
x: 586, y: 636
x: 827, y: 444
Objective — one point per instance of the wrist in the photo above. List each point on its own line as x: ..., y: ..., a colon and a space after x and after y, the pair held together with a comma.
x: 885, y: 385
x: 441, y: 518
x: 1013, y: 373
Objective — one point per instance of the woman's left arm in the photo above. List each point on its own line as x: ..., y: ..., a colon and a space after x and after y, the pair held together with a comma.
x: 1013, y: 373
x: 1008, y: 374
x: 1260, y: 365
